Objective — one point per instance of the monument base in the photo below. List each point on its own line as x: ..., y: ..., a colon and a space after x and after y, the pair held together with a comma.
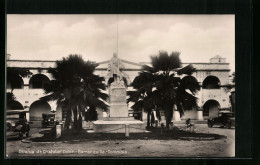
x: 110, y: 125
x: 119, y: 119
x: 118, y: 110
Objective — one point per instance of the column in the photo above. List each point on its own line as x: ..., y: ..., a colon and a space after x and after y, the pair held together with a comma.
x: 176, y: 114
x: 199, y: 114
x: 59, y: 113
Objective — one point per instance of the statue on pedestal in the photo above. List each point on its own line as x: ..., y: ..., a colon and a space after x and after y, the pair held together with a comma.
x: 115, y: 71
x: 118, y: 115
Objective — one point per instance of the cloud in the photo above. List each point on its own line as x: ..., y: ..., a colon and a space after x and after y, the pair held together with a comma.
x: 51, y: 37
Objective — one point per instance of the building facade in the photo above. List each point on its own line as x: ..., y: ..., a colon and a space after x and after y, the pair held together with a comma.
x: 212, y: 77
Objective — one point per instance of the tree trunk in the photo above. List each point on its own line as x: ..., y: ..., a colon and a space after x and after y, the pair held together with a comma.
x: 75, y: 122
x: 68, y: 118
x: 158, y: 115
x: 148, y: 119
x: 79, y: 119
x: 168, y: 116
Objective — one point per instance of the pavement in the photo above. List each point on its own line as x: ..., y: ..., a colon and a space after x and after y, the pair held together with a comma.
x: 128, y: 148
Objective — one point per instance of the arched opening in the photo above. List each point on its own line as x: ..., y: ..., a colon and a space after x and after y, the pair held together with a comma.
x: 15, y: 82
x: 211, y: 108
x: 14, y: 105
x: 38, y: 81
x: 37, y: 108
x: 211, y: 82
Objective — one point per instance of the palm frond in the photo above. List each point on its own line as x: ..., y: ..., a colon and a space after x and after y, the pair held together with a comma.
x: 165, y: 62
x: 189, y: 82
x: 149, y: 69
x: 189, y: 69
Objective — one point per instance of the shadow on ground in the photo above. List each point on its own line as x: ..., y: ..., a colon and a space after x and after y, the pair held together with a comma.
x: 13, y: 138
x: 154, y: 134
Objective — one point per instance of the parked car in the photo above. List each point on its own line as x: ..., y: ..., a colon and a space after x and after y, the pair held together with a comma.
x: 136, y: 115
x: 225, y: 119
x: 48, y: 120
x: 17, y: 124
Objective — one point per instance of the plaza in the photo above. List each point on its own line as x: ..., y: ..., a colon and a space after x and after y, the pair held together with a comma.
x: 157, y: 148
x: 212, y: 77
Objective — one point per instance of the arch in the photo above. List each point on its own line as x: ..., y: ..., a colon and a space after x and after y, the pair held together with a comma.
x: 14, y: 105
x: 15, y: 82
x: 37, y: 108
x: 211, y: 108
x: 211, y: 82
x: 38, y: 81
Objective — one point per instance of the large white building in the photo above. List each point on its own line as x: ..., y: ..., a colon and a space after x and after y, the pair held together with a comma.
x: 212, y: 77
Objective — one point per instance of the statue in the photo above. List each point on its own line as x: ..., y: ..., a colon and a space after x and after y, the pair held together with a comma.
x: 118, y: 115
x: 115, y: 68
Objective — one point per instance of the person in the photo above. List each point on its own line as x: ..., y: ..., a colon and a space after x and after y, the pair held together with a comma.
x: 188, y: 122
x: 190, y: 125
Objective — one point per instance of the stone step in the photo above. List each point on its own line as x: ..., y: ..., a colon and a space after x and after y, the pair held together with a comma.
x: 101, y: 126
x: 118, y: 119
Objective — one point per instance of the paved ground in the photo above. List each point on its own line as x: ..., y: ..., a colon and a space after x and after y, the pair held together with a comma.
x: 130, y: 148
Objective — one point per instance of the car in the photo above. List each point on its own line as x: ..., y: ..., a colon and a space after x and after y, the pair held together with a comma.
x: 48, y: 120
x: 136, y: 115
x: 225, y: 119
x: 17, y: 124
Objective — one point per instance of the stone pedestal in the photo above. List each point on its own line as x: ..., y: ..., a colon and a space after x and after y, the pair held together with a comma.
x: 117, y: 99
x: 118, y: 114
x: 118, y: 110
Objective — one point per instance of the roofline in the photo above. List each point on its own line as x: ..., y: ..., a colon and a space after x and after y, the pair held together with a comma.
x: 123, y: 69
x: 131, y: 63
x: 103, y: 62
x: 128, y: 69
x: 138, y: 64
x: 206, y: 63
x: 213, y: 70
x: 143, y: 63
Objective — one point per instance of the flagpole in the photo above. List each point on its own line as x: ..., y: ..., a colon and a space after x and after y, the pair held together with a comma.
x: 117, y: 33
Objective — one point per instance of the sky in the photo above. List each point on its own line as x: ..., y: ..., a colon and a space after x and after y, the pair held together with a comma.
x: 134, y: 37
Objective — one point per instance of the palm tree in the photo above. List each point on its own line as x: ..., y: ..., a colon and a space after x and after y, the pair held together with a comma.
x: 75, y: 86
x: 160, y: 85
x: 143, y: 100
